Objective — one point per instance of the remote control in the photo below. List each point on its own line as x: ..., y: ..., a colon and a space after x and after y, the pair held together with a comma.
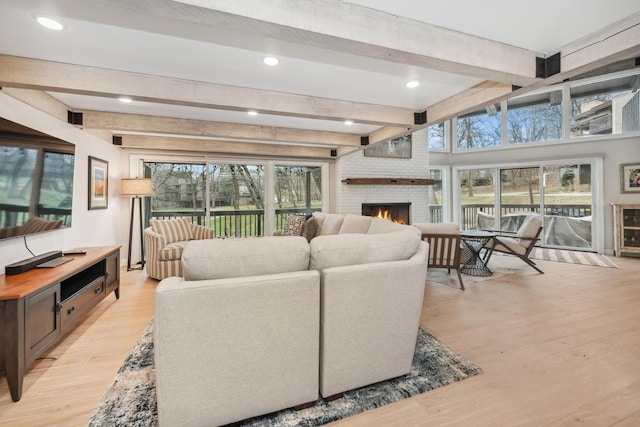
x: 75, y: 252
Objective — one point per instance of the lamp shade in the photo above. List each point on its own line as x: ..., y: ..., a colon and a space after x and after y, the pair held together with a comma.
x: 136, y: 186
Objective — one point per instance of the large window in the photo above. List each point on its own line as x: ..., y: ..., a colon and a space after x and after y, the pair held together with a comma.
x: 604, y: 107
x: 535, y: 118
x: 237, y: 199
x: 298, y: 190
x: 477, y: 197
x: 435, y: 196
x: 179, y: 190
x: 436, y: 136
x: 480, y: 129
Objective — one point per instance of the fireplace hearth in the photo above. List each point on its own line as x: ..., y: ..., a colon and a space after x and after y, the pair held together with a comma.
x: 396, y: 212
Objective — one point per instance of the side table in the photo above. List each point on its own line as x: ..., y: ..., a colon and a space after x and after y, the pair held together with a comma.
x: 475, y: 241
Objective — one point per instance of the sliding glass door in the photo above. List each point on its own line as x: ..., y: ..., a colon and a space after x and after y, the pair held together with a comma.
x: 561, y: 191
x: 297, y: 190
x: 178, y: 191
x: 236, y: 199
x: 568, y: 202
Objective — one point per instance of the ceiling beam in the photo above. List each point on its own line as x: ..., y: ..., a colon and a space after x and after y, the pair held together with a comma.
x: 616, y: 42
x: 40, y: 100
x: 353, y: 29
x: 468, y: 101
x: 77, y: 79
x: 333, y: 25
x: 235, y: 131
x: 223, y: 147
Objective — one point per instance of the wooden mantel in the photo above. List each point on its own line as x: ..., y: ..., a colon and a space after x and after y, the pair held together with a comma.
x: 388, y: 181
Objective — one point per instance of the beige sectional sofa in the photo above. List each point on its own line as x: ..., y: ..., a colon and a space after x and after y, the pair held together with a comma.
x: 262, y: 324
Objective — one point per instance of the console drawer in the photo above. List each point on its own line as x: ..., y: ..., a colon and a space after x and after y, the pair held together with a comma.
x: 79, y: 303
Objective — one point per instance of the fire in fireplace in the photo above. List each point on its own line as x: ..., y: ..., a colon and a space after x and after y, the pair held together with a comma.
x: 396, y: 212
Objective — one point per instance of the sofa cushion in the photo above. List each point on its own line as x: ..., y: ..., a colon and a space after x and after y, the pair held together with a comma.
x: 355, y: 224
x: 225, y: 258
x: 174, y: 230
x: 293, y: 226
x: 172, y: 251
x: 330, y: 225
x: 351, y: 249
x: 379, y: 225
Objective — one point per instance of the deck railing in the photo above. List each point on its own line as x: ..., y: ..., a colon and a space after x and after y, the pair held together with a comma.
x: 234, y: 223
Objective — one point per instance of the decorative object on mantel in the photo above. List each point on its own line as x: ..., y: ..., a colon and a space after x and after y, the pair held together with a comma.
x: 388, y: 181
x: 397, y: 148
x: 138, y: 188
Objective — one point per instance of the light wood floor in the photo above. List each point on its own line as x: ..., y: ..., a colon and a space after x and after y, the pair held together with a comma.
x: 561, y: 348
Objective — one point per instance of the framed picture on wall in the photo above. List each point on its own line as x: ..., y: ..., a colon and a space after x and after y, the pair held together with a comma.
x: 630, y: 178
x: 398, y: 148
x: 98, y: 183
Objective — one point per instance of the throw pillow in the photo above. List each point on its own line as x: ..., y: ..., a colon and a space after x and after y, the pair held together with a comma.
x: 310, y: 228
x: 293, y: 226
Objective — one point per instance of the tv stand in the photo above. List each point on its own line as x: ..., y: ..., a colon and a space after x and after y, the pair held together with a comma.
x: 40, y: 306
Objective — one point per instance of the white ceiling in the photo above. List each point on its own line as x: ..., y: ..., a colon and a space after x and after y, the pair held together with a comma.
x: 183, y: 41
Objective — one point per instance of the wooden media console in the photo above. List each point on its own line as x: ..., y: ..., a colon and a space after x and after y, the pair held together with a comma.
x: 38, y: 307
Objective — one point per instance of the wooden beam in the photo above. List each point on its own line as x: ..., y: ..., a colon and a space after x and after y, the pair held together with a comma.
x: 327, y: 24
x: 468, y: 101
x: 40, y: 100
x: 616, y: 42
x: 225, y: 147
x: 59, y: 77
x: 166, y: 125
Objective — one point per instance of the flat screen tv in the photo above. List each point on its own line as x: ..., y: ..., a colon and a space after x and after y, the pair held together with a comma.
x: 36, y: 181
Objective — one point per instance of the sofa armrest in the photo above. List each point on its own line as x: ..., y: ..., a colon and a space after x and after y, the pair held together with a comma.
x: 370, y: 319
x: 200, y: 232
x: 256, y: 338
x: 154, y: 241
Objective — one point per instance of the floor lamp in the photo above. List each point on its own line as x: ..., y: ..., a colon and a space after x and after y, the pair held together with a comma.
x: 138, y: 188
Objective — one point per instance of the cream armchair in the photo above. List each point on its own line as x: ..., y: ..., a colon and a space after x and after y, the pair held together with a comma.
x: 165, y: 241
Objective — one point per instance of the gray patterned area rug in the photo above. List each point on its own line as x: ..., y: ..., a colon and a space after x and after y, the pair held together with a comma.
x: 131, y: 398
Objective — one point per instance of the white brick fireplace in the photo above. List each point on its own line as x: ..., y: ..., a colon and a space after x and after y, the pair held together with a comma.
x: 349, y: 198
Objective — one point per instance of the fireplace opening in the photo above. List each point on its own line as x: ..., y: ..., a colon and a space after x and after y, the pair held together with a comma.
x: 396, y: 212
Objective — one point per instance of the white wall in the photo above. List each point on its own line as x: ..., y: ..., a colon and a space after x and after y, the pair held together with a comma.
x: 349, y: 198
x: 88, y: 227
x: 613, y: 150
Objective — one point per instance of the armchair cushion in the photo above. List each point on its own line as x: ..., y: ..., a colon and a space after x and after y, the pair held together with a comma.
x: 171, y: 251
x: 503, y: 244
x: 174, y: 230
x: 529, y: 229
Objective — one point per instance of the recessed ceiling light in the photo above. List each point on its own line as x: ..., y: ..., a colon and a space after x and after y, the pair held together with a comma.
x: 125, y: 99
x: 348, y: 122
x: 271, y: 60
x: 49, y: 23
x: 413, y: 83
x: 252, y: 113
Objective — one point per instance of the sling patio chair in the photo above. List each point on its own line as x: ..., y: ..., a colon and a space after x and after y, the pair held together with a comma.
x: 519, y: 243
